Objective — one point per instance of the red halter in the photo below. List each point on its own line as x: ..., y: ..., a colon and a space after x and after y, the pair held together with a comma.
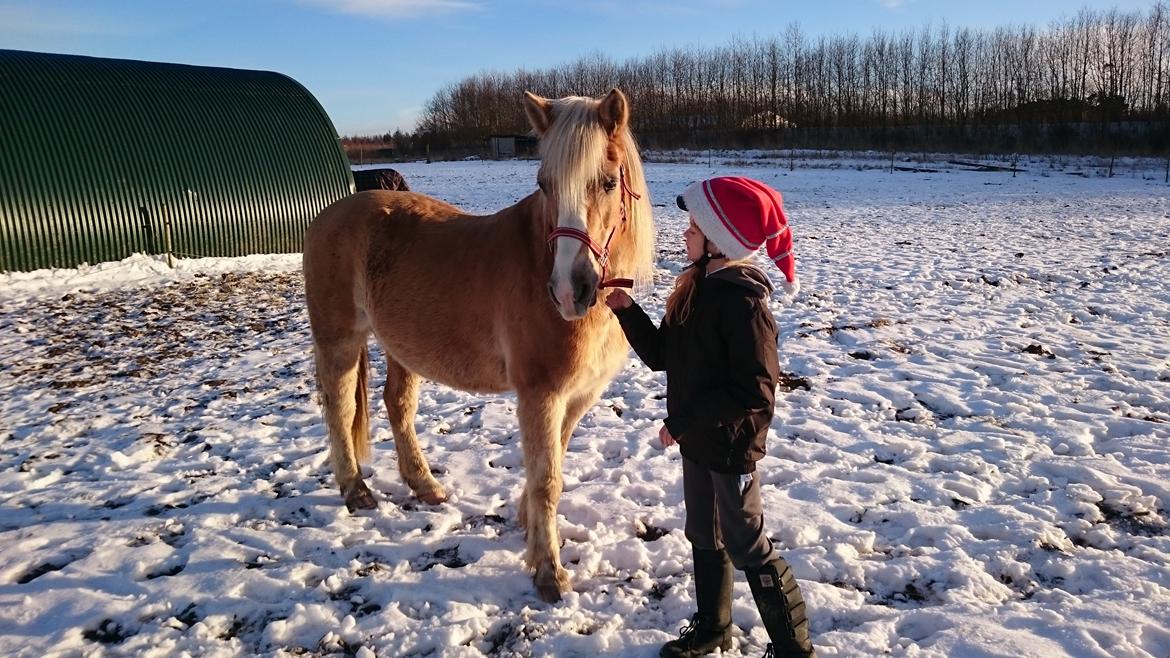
x: 600, y: 252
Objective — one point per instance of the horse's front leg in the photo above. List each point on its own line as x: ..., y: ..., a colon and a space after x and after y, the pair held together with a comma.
x: 574, y: 411
x: 541, y: 417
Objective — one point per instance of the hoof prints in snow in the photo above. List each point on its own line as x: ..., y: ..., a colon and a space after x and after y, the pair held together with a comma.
x: 789, y: 382
x: 914, y: 592
x: 1038, y: 350
x: 649, y: 533
x: 1140, y: 524
x: 189, y: 616
x: 260, y: 561
x: 658, y: 591
x: 49, y: 567
x: 485, y: 521
x: 107, y: 632
x: 358, y: 606
x: 166, y: 571
x: 511, y: 638
x: 448, y: 557
x: 159, y: 510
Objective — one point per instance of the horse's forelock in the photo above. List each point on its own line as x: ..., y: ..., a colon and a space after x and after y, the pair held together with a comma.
x: 572, y: 148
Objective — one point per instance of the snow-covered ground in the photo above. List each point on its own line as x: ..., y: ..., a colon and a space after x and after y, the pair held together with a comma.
x: 970, y: 455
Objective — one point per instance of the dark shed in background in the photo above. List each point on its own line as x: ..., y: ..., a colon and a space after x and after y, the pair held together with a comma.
x: 98, y: 156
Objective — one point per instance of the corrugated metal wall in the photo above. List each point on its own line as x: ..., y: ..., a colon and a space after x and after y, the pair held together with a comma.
x: 96, y: 155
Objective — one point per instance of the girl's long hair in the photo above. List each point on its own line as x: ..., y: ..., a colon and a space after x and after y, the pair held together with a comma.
x: 678, y: 305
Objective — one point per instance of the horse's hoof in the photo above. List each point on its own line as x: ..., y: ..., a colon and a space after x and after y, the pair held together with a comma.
x: 433, y: 497
x: 360, y: 497
x: 551, y: 583
x: 549, y: 593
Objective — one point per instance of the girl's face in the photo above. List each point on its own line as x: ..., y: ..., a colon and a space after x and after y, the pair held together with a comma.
x: 696, y: 242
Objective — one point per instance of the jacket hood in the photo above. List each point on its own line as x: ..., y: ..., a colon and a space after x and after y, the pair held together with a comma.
x: 746, y: 276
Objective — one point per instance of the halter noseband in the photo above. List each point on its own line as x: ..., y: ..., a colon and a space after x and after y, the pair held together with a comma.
x: 600, y: 252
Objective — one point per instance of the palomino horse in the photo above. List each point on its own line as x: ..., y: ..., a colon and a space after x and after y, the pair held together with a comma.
x: 465, y: 301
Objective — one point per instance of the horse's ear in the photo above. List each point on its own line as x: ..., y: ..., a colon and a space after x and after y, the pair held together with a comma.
x: 539, y: 111
x: 614, y: 111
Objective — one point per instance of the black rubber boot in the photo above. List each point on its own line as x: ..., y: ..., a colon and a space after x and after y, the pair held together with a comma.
x: 781, y: 609
x: 710, y: 627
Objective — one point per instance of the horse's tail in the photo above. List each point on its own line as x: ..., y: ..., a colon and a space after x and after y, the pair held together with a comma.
x: 361, y: 405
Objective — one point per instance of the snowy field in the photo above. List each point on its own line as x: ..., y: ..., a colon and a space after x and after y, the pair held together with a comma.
x: 970, y: 455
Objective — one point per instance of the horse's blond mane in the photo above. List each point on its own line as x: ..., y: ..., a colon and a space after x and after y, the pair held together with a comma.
x: 571, y: 152
x: 640, y: 260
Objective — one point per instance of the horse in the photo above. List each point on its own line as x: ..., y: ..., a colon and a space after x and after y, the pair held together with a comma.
x: 379, y: 179
x: 487, y: 304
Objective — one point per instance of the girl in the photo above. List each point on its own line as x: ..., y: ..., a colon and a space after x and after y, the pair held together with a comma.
x: 717, y: 344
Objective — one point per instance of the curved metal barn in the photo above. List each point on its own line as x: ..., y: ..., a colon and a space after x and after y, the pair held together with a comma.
x: 102, y: 158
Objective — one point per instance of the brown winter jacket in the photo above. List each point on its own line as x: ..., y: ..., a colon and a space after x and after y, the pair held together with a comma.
x: 721, y: 368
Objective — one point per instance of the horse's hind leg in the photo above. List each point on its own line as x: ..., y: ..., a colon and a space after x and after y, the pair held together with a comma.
x: 342, y: 375
x: 401, y: 396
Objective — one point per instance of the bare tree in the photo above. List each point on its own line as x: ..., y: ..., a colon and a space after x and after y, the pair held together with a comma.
x: 981, y: 81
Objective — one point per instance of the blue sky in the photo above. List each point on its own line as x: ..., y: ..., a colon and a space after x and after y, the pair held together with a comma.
x: 373, y: 63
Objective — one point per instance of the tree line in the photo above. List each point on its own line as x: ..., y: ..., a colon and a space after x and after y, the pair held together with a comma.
x: 1099, y: 80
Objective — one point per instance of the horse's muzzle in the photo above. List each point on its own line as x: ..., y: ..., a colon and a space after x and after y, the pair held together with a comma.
x: 574, y: 300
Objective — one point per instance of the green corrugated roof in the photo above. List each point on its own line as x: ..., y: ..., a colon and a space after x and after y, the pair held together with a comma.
x: 96, y: 154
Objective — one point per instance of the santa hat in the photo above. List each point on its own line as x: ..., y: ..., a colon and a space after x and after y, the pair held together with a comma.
x: 739, y: 215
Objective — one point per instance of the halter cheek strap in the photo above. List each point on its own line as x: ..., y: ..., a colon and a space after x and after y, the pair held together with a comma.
x: 600, y: 252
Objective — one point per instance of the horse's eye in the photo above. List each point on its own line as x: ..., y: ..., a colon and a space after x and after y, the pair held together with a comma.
x: 610, y: 184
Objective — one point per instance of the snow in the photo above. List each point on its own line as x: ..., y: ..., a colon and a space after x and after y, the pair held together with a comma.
x: 969, y: 457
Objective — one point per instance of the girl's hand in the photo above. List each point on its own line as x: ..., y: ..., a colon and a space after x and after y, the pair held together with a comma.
x: 665, y: 437
x: 618, y: 300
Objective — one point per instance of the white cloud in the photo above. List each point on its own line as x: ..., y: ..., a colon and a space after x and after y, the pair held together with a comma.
x: 893, y: 4
x: 393, y: 8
